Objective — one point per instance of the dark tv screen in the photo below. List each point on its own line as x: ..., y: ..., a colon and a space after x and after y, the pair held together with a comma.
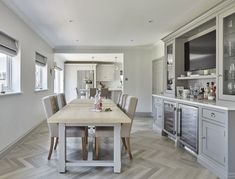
x: 200, y: 53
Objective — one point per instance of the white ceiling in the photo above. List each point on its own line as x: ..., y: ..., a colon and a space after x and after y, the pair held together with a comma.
x: 106, y: 22
x: 97, y: 57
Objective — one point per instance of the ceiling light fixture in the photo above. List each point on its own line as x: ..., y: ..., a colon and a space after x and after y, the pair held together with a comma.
x: 71, y: 20
x: 132, y: 40
x: 77, y: 40
x: 150, y: 21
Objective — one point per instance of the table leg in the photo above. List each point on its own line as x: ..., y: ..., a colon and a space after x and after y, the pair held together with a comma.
x: 117, y: 148
x: 62, y: 148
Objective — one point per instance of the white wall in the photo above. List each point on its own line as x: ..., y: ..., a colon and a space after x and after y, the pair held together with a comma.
x: 158, y: 50
x: 158, y: 68
x: 137, y: 68
x: 20, y: 113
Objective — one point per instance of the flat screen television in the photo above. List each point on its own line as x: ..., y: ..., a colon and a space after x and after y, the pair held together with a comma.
x: 200, y: 53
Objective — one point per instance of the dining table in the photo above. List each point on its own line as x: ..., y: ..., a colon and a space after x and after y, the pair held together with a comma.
x: 81, y: 112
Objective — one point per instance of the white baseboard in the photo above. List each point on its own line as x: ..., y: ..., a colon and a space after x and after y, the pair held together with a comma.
x: 8, y: 148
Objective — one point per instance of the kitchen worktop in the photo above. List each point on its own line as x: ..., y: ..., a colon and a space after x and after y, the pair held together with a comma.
x: 206, y: 103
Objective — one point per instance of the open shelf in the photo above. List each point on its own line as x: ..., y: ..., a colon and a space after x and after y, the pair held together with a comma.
x: 196, y: 77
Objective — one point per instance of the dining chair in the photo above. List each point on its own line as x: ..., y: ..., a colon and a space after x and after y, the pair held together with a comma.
x: 61, y: 100
x: 119, y: 98
x: 129, y: 109
x: 92, y: 92
x: 50, y: 105
x: 122, y: 101
x: 104, y: 92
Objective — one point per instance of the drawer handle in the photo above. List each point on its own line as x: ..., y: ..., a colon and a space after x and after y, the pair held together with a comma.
x: 213, y: 115
x: 159, y: 116
x: 204, y: 137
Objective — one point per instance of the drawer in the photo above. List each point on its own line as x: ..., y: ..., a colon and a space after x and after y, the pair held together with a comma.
x: 214, y: 115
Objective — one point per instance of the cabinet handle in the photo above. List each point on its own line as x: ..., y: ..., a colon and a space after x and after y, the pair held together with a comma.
x: 203, y: 137
x: 213, y: 115
x: 159, y: 116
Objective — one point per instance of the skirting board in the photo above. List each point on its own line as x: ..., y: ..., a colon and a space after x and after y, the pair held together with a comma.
x: 143, y: 114
x: 8, y: 148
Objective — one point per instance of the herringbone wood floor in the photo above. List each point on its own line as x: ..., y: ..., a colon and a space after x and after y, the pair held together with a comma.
x: 154, y: 156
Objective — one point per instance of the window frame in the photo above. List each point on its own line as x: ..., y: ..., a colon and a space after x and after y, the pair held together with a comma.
x: 43, y: 78
x: 8, y: 86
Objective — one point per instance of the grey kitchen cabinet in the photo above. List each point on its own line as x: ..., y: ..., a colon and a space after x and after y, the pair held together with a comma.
x: 105, y: 72
x: 170, y: 68
x: 226, y: 60
x: 214, y: 142
x: 157, y: 114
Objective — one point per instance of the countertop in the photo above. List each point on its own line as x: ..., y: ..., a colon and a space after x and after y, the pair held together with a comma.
x: 206, y: 103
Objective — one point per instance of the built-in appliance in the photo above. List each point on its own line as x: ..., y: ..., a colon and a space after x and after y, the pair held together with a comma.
x: 170, y: 118
x: 188, y: 126
x: 200, y: 53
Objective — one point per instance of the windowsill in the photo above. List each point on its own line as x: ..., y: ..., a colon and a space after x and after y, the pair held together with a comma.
x: 11, y: 93
x: 40, y: 90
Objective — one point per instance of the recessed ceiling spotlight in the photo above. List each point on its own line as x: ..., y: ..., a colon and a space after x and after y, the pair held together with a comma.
x: 71, y: 20
x: 77, y: 40
x: 150, y: 21
x: 132, y: 40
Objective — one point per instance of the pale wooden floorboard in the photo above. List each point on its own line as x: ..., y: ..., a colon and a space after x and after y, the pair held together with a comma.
x: 154, y: 157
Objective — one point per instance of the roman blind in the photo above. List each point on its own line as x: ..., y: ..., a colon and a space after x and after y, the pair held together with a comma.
x: 8, y: 45
x: 40, y: 59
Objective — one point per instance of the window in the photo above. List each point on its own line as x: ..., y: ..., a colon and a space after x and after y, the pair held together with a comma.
x: 5, y: 73
x: 40, y: 72
x: 58, y: 81
x: 9, y: 64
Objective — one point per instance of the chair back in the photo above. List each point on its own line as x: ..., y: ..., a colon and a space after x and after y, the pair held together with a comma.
x: 119, y: 98
x: 50, y: 105
x: 129, y: 109
x: 92, y: 92
x: 122, y: 101
x: 104, y: 92
x: 61, y: 100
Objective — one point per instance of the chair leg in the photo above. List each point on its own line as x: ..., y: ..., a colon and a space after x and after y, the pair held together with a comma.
x: 86, y: 134
x: 124, y: 142
x: 96, y: 148
x: 84, y: 148
x: 51, y: 148
x: 129, y: 147
x: 56, y: 143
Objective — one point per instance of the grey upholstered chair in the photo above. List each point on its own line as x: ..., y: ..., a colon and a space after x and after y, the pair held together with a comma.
x: 129, y: 109
x: 122, y: 101
x: 50, y: 105
x: 61, y: 100
x: 104, y: 92
x: 92, y: 92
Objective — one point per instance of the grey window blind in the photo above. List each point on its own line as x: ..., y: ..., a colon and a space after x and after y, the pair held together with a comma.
x: 8, y: 45
x: 40, y: 59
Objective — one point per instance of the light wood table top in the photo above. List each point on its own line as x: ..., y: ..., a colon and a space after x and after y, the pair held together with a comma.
x: 81, y: 111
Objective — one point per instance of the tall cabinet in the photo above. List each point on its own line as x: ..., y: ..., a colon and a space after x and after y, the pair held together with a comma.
x: 226, y: 61
x: 170, y: 68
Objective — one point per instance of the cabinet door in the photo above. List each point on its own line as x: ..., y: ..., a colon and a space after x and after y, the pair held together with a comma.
x: 170, y: 68
x: 105, y: 72
x: 157, y: 114
x: 213, y: 142
x: 227, y: 55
